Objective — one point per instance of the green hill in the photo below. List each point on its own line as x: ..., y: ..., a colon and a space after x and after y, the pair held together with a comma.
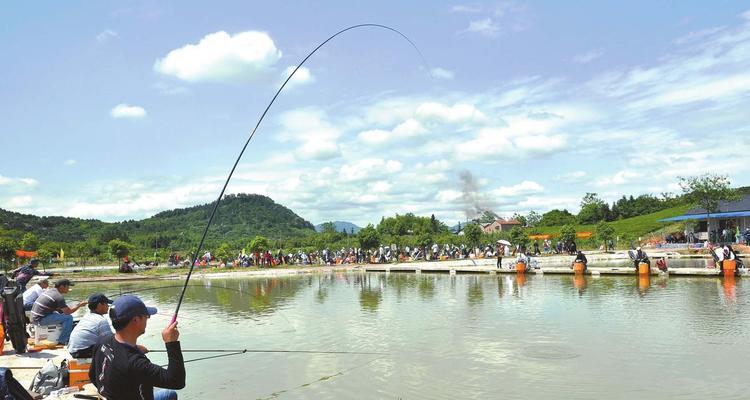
x: 239, y: 217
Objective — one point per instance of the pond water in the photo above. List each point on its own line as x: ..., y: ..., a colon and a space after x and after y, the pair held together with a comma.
x: 464, y: 336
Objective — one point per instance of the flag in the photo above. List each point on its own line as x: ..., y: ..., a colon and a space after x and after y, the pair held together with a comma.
x: 62, y: 254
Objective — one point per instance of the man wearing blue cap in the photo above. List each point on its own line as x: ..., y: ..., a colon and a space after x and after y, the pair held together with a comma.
x: 92, y: 327
x: 120, y: 370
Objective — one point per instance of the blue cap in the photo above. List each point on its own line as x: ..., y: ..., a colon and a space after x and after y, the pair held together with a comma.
x: 129, y: 306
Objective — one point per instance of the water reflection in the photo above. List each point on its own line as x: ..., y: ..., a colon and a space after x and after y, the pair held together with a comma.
x: 644, y: 283
x: 730, y: 288
x: 579, y: 282
x: 474, y: 292
x: 370, y: 294
x: 530, y: 336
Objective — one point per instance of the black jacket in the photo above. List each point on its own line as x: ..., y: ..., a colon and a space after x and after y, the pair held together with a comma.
x: 121, y: 372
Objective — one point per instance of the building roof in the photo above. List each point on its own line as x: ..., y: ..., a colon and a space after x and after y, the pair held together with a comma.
x: 734, y: 214
x: 742, y: 204
x: 507, y: 222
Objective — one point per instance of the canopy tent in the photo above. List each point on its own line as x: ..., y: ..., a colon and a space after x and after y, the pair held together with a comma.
x: 25, y: 254
x: 733, y: 214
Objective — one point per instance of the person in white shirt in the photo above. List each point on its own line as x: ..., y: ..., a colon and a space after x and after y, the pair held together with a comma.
x: 31, y: 294
x: 92, y: 327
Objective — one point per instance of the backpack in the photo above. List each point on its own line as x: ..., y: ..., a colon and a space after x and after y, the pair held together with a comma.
x: 10, y: 389
x: 50, y: 378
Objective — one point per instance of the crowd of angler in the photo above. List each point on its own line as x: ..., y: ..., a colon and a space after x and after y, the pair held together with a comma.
x: 381, y: 254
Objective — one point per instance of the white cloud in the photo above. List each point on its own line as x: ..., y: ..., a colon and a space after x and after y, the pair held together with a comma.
x: 541, y: 144
x: 106, y: 35
x: 374, y: 136
x: 127, y: 111
x: 485, y: 27
x: 463, y: 8
x: 409, y: 128
x: 303, y: 76
x: 587, y: 57
x: 18, y: 202
x: 440, y: 73
x: 619, y: 178
x: 696, y: 35
x: 318, y: 150
x: 525, y: 187
x: 69, y: 162
x: 571, y: 177
x: 222, y: 57
x: 4, y: 180
x: 461, y: 112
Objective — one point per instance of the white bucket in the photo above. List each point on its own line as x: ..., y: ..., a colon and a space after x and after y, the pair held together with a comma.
x: 47, y: 332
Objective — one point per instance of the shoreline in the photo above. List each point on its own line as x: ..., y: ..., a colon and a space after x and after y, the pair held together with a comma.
x: 599, y: 264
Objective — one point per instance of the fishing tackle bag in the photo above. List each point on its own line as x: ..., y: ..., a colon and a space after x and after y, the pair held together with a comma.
x: 50, y: 378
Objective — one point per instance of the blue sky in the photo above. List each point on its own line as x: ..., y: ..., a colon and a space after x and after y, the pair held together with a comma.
x: 118, y: 110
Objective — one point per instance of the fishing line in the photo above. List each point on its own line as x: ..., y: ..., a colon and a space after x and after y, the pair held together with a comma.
x: 252, y: 134
x: 242, y: 351
x: 245, y: 351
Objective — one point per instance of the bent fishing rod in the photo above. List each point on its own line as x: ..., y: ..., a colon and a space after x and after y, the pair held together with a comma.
x: 252, y: 134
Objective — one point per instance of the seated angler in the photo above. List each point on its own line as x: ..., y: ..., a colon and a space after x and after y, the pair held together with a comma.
x: 50, y: 308
x: 32, y: 293
x: 91, y: 328
x: 640, y: 257
x: 581, y: 258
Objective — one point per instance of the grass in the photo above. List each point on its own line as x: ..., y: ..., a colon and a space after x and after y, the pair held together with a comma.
x: 629, y: 228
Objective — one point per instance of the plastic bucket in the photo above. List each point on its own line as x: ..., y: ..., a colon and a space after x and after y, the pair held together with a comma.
x: 520, y: 267
x: 47, y: 332
x: 579, y: 267
x: 644, y: 269
x: 729, y: 265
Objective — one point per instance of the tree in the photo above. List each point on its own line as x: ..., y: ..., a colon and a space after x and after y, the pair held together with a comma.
x: 368, y: 237
x: 533, y: 219
x: 328, y: 227
x: 223, y: 252
x: 519, y: 237
x: 568, y: 233
x: 49, y: 250
x: 487, y: 217
x: 258, y: 244
x: 604, y: 232
x: 592, y: 209
x: 472, y: 232
x: 7, y: 251
x: 119, y: 248
x: 29, y: 242
x: 557, y: 218
x: 706, y: 191
x: 520, y: 218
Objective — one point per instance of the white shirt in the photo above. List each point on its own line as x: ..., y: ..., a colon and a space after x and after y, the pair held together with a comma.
x: 31, y: 294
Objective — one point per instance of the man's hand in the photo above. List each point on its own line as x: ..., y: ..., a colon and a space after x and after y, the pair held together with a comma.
x: 170, y: 333
x: 142, y: 348
x: 82, y: 303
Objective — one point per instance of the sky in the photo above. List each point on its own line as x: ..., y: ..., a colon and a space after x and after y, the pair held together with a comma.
x: 119, y: 110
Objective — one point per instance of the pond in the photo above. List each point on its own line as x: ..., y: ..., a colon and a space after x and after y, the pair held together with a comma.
x: 466, y: 336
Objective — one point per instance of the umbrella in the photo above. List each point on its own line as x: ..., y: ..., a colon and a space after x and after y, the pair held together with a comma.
x: 505, y: 242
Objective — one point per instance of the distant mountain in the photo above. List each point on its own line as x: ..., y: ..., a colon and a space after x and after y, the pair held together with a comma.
x: 341, y: 226
x: 238, y: 218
